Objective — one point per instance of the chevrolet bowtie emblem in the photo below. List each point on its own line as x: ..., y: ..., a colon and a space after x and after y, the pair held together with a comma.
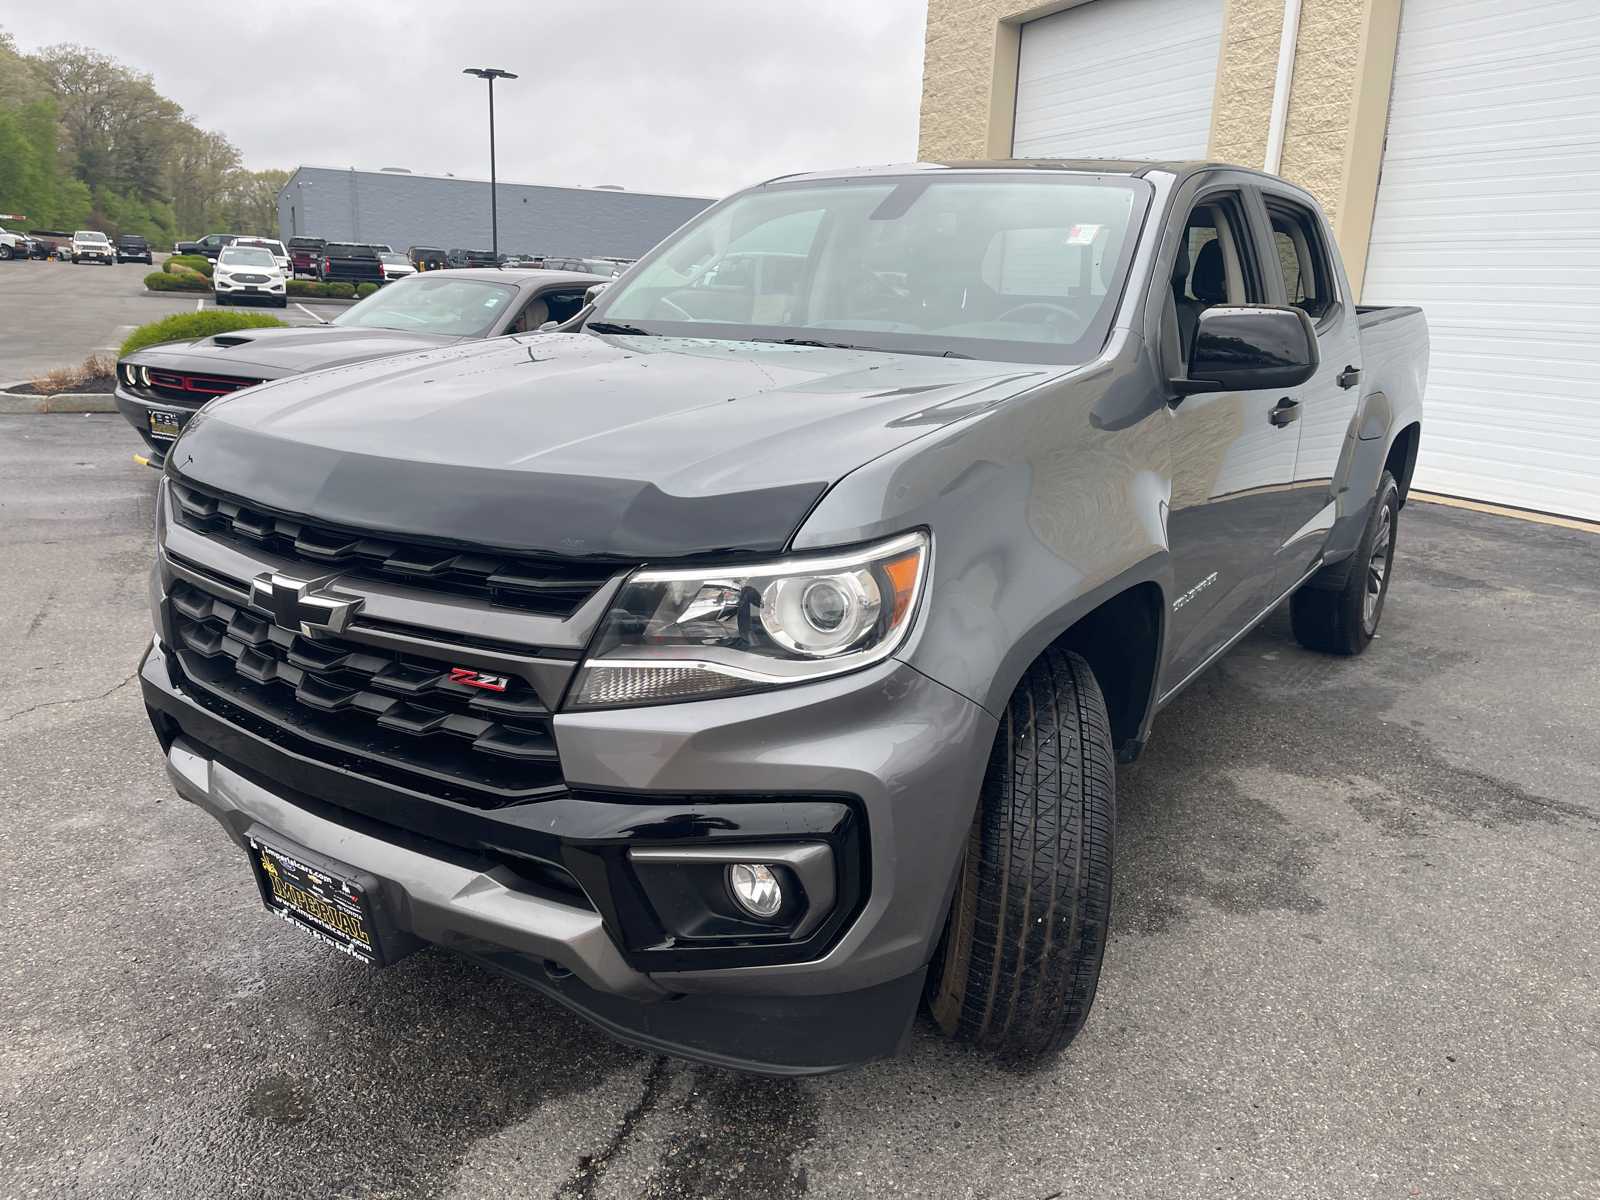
x: 303, y: 605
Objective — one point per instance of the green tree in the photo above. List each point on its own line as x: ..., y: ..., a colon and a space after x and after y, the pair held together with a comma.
x: 85, y: 140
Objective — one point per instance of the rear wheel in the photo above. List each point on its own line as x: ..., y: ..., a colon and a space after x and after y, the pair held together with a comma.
x: 1020, y: 962
x: 1344, y: 621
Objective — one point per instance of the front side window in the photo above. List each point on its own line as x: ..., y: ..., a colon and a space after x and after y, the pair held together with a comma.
x: 432, y: 303
x: 998, y: 266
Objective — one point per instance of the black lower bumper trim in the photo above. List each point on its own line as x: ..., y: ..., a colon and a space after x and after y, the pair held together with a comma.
x: 767, y: 1035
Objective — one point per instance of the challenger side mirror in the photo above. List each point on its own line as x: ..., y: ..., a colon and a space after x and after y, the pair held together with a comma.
x: 1240, y: 348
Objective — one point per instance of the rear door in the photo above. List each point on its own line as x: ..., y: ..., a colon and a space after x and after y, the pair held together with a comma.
x: 1232, y: 465
x: 1302, y: 274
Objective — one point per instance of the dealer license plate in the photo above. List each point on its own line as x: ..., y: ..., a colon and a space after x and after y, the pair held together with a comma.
x: 164, y: 425
x: 326, y: 905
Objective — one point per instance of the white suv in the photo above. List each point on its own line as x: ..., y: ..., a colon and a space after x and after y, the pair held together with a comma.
x: 90, y: 245
x: 248, y: 272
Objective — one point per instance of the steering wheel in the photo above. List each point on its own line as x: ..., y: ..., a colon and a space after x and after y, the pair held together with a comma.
x: 1049, y: 311
x: 669, y: 304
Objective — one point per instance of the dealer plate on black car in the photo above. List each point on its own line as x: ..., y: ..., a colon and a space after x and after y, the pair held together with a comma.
x: 164, y: 424
x: 328, y: 906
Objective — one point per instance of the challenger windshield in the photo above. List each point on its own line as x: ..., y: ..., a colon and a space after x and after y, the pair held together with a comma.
x: 1015, y: 266
x: 432, y: 303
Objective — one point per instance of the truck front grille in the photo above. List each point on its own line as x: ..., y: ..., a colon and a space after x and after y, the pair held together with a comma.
x: 398, y: 716
x: 551, y: 588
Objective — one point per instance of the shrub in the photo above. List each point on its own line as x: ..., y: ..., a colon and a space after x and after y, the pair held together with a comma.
x: 64, y: 379
x: 365, y: 290
x: 195, y: 262
x: 195, y: 325
x: 340, y: 291
x: 305, y: 287
x: 156, y: 281
x: 182, y: 272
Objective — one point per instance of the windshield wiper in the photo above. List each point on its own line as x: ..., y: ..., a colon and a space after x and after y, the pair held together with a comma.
x: 849, y: 346
x: 614, y: 327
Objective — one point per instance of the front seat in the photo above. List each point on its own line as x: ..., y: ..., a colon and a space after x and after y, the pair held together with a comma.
x: 1209, y: 284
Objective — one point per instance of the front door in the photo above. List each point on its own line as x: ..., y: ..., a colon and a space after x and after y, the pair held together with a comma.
x: 1232, y: 462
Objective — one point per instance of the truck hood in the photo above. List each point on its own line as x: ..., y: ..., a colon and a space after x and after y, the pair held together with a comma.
x: 581, y: 445
x: 275, y: 352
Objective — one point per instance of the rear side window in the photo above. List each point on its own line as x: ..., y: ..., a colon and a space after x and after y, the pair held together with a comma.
x: 1307, y: 273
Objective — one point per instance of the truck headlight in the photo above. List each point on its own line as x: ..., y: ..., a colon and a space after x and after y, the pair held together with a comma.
x: 694, y: 634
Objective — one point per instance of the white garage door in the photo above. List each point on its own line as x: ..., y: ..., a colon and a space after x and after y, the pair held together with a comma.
x: 1119, y: 79
x: 1488, y: 216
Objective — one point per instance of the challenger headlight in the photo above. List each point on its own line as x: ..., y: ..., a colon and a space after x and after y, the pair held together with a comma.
x: 695, y: 634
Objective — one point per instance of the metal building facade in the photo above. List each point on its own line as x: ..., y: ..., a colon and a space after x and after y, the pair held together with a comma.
x: 404, y: 210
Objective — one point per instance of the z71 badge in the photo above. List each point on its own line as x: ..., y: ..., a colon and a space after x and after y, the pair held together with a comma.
x: 477, y: 679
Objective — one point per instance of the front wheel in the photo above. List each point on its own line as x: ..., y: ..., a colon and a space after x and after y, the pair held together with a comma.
x: 1344, y: 621
x: 218, y: 300
x: 1020, y: 961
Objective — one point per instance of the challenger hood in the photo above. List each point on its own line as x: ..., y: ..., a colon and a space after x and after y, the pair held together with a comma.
x: 573, y: 444
x: 275, y: 352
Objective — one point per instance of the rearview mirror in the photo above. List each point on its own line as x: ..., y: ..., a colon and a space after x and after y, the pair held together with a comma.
x: 1239, y: 348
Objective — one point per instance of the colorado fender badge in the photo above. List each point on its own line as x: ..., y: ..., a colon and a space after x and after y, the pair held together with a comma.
x: 491, y: 683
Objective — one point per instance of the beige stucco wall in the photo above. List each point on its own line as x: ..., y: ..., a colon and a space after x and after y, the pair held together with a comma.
x: 1338, y: 101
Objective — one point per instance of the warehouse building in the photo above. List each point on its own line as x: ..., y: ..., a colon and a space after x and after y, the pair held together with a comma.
x: 1454, y: 144
x: 400, y: 209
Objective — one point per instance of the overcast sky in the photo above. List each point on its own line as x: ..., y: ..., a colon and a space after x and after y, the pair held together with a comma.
x: 691, y: 96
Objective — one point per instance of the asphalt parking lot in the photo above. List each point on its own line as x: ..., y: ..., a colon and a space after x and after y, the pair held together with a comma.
x: 1355, y: 943
x: 69, y: 311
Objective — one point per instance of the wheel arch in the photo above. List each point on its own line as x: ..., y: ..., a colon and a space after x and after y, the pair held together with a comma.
x: 1401, y: 460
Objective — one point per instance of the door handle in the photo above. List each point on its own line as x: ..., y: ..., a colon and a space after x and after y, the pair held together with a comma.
x: 1285, y: 412
x: 1348, y: 377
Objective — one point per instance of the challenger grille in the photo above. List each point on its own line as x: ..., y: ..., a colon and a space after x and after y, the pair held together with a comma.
x: 196, y: 389
x: 532, y: 585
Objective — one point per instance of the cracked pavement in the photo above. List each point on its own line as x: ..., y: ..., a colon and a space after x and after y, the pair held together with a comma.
x: 1354, y: 948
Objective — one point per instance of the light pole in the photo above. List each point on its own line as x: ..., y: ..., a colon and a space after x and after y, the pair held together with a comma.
x: 491, y: 74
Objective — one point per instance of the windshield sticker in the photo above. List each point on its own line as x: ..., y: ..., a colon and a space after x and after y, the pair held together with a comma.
x: 1083, y: 235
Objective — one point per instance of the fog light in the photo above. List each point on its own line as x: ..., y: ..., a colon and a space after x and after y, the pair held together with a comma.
x: 756, y: 889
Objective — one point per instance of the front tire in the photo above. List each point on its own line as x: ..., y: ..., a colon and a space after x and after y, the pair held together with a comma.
x: 1020, y: 962
x: 1344, y: 621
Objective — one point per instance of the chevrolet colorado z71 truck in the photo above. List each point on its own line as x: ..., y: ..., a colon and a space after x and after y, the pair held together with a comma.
x: 748, y: 658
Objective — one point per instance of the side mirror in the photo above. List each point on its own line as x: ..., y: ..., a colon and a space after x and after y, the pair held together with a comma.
x: 593, y: 293
x: 548, y: 325
x: 1240, y: 348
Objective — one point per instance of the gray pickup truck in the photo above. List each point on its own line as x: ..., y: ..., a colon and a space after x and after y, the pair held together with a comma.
x: 746, y: 661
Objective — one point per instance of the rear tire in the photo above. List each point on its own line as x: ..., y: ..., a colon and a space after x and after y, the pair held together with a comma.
x: 1344, y: 621
x: 1020, y: 962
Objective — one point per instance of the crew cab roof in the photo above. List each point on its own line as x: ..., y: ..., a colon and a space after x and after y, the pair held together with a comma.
x: 1134, y: 168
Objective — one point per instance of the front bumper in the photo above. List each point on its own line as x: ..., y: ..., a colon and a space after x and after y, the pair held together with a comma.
x: 907, y: 751
x: 276, y: 290
x: 136, y: 411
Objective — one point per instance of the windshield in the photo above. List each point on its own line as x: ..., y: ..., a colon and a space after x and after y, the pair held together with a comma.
x: 428, y: 304
x: 89, y: 235
x: 395, y: 260
x: 274, y: 247
x: 1013, y: 267
x: 247, y: 256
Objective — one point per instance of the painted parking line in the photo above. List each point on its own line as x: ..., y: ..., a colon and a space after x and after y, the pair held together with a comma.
x: 308, y: 312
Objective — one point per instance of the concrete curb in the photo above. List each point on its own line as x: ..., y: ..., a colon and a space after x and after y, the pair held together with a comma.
x: 61, y: 402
